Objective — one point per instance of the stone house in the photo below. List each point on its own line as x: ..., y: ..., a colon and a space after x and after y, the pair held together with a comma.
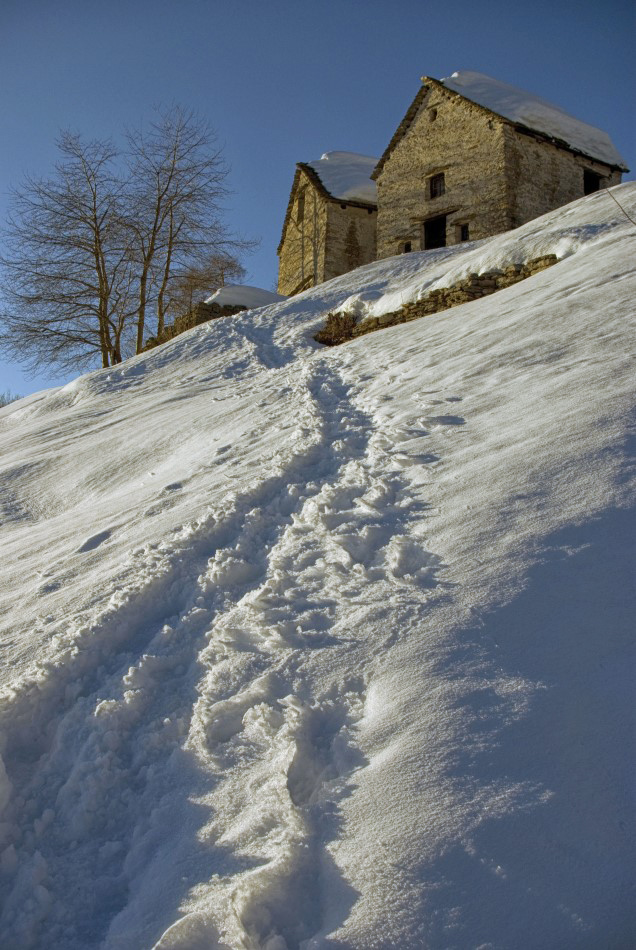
x: 471, y: 158
x: 330, y: 224
x: 474, y: 157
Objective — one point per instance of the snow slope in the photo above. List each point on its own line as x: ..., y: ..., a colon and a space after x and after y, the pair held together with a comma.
x: 520, y: 106
x: 242, y: 295
x: 347, y: 175
x: 310, y: 648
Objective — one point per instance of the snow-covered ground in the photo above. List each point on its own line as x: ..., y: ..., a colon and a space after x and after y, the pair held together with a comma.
x: 332, y: 648
x: 242, y: 295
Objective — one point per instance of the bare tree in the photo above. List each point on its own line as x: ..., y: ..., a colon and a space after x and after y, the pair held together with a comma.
x: 66, y: 278
x: 178, y: 177
x: 101, y: 248
x: 202, y: 280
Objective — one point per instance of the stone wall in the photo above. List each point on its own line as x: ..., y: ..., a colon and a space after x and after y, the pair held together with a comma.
x: 451, y: 136
x: 302, y: 252
x: 341, y: 328
x: 541, y: 176
x: 351, y: 238
x: 202, y: 313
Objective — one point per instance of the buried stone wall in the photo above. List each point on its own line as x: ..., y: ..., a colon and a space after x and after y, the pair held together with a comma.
x: 201, y: 313
x: 342, y: 327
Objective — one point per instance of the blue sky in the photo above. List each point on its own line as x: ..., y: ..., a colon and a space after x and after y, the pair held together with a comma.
x: 284, y: 81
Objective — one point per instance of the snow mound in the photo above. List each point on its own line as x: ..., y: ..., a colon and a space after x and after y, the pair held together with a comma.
x: 347, y: 175
x: 536, y: 113
x: 242, y: 295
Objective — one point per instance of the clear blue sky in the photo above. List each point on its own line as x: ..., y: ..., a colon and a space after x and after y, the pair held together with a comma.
x: 285, y: 80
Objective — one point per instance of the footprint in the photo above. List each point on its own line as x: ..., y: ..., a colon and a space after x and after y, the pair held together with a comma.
x: 94, y: 542
x: 49, y: 588
x: 174, y: 486
x: 446, y: 421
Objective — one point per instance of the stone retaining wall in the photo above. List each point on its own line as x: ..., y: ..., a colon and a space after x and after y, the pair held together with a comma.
x: 341, y: 327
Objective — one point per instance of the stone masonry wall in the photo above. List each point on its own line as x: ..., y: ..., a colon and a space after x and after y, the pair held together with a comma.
x: 341, y: 328
x: 541, y: 176
x: 304, y: 242
x: 351, y: 238
x: 452, y: 136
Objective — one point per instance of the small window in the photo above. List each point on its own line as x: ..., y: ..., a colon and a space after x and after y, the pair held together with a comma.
x: 437, y: 186
x: 300, y: 212
x: 369, y: 210
x: 591, y: 182
x: 462, y: 233
x: 344, y: 207
x: 405, y: 247
x: 432, y: 115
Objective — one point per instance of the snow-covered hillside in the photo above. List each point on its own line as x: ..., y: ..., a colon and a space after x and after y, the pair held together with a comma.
x: 332, y: 648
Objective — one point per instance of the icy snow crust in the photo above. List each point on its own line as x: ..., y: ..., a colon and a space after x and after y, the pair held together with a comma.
x: 242, y: 295
x: 310, y: 648
x: 347, y: 175
x: 536, y: 113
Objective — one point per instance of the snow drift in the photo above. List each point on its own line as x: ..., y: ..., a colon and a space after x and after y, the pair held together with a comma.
x: 312, y: 648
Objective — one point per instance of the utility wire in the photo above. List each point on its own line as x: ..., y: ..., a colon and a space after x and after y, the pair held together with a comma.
x: 619, y: 205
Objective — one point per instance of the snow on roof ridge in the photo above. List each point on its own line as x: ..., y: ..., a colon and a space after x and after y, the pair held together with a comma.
x: 536, y: 113
x: 347, y: 175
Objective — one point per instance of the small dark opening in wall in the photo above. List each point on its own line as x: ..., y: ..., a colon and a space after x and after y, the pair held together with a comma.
x: 432, y: 115
x: 300, y: 211
x: 591, y: 182
x: 435, y: 233
x: 437, y: 186
x: 369, y: 210
x: 464, y: 232
x: 344, y: 207
x: 405, y: 247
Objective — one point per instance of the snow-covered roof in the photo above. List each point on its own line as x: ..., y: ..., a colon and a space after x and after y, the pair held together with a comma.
x: 241, y: 295
x: 536, y: 113
x: 347, y: 175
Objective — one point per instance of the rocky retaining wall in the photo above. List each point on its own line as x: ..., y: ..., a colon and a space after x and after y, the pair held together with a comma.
x: 342, y: 327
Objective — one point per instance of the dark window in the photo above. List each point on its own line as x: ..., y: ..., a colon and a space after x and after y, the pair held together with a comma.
x: 405, y: 247
x: 432, y: 115
x: 437, y: 186
x: 463, y: 232
x: 369, y: 210
x: 435, y: 233
x: 344, y: 207
x: 591, y: 182
x: 300, y: 214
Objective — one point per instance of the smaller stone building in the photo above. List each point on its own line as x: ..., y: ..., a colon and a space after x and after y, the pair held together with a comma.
x: 474, y: 157
x: 330, y: 224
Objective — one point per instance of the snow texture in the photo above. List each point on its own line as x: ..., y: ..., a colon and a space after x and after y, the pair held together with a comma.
x: 347, y: 175
x: 242, y: 295
x: 311, y: 648
x: 536, y: 113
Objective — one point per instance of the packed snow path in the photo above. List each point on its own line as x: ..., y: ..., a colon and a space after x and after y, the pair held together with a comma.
x: 331, y: 648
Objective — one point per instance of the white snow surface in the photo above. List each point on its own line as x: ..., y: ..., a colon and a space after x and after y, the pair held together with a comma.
x: 242, y: 295
x: 333, y: 648
x: 347, y: 175
x: 520, y: 106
